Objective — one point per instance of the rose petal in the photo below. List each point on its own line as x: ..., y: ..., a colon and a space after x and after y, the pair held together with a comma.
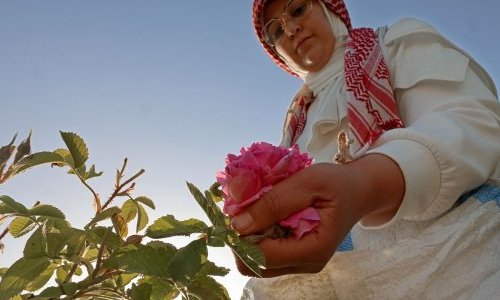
x: 232, y: 207
x: 302, y: 222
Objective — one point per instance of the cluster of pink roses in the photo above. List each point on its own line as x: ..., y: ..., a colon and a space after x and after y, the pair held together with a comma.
x: 252, y: 173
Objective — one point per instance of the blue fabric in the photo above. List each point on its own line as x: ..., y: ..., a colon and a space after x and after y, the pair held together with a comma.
x: 346, y: 244
x: 485, y: 193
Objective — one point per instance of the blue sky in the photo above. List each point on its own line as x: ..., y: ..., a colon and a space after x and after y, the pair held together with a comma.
x: 172, y: 85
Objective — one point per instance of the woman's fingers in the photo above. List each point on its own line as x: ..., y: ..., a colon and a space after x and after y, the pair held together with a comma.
x: 287, y: 197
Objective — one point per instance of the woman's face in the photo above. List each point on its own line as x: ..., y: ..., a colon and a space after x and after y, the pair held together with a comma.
x: 307, y: 42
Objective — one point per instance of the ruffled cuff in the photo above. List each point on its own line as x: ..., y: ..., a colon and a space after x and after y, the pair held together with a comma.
x: 422, y: 178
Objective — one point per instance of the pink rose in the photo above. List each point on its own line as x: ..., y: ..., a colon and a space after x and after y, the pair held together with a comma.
x: 252, y: 173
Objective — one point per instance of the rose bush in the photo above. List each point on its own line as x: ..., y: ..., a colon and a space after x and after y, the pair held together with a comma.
x: 256, y: 170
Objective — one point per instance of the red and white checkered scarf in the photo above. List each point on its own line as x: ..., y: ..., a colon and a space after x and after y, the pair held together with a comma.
x: 371, y: 108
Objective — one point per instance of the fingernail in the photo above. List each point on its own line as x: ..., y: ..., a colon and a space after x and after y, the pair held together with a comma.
x: 242, y: 222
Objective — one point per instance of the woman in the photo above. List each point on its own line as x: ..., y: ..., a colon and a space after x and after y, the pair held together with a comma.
x: 401, y: 123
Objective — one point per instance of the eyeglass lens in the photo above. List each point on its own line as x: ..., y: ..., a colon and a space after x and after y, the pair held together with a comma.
x: 295, y: 9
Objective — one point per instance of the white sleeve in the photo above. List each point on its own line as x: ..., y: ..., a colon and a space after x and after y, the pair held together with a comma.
x: 451, y: 140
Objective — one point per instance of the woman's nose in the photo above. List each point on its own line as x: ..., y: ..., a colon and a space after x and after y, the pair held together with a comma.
x: 290, y: 26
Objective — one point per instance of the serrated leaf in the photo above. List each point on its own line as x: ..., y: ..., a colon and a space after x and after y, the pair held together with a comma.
x: 20, y: 226
x: 124, y: 279
x: 129, y: 210
x: 217, y: 236
x: 91, y: 173
x: 211, y: 269
x: 142, y: 218
x: 216, y: 192
x: 61, y: 273
x: 146, y: 201
x: 47, y: 211
x: 66, y: 155
x: 69, y: 288
x: 207, y: 288
x: 6, y: 152
x: 57, y: 223
x: 103, y: 215
x: 9, y: 205
x: 141, y: 259
x: 211, y: 209
x: 36, y: 246
x: 195, y: 253
x: 41, y: 280
x: 56, y: 241
x: 91, y: 254
x: 96, y: 235
x: 162, y: 289
x: 120, y: 225
x: 3, y: 271
x: 51, y: 292
x: 250, y: 254
x: 141, y: 291
x: 168, y: 226
x: 21, y: 274
x: 23, y: 149
x: 76, y: 147
x: 37, y: 159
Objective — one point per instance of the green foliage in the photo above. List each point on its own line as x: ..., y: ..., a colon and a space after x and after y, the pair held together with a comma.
x: 101, y: 260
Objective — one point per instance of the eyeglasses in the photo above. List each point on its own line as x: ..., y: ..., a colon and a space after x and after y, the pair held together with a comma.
x: 274, y: 29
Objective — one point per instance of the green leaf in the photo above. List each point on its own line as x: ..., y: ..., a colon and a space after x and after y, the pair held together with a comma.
x: 249, y: 253
x: 161, y: 288
x: 41, y: 280
x: 6, y: 152
x: 51, y: 292
x: 216, y: 192
x: 207, y: 288
x: 146, y: 201
x: 20, y: 226
x: 23, y: 149
x: 66, y: 155
x: 91, y: 254
x: 195, y: 253
x: 3, y: 271
x: 21, y: 274
x: 129, y: 210
x: 92, y: 173
x: 96, y: 235
x: 69, y: 288
x: 103, y: 215
x: 168, y: 226
x: 120, y: 225
x: 210, y: 208
x: 141, y: 259
x: 36, y: 246
x: 57, y: 223
x: 61, y: 273
x: 10, y: 206
x: 211, y: 269
x: 141, y: 291
x: 37, y: 159
x: 47, y: 211
x: 76, y: 147
x: 217, y: 236
x: 124, y: 279
x: 142, y: 218
x: 159, y: 244
x: 56, y: 241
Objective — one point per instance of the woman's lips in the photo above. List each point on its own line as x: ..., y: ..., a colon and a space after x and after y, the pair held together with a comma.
x: 301, y: 42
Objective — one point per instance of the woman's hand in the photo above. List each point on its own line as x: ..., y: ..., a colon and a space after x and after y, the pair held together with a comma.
x: 368, y: 189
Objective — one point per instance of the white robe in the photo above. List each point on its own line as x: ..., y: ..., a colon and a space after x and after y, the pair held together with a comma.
x: 432, y: 248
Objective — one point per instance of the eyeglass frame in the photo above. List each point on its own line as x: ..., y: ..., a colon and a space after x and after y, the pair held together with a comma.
x: 282, y: 21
